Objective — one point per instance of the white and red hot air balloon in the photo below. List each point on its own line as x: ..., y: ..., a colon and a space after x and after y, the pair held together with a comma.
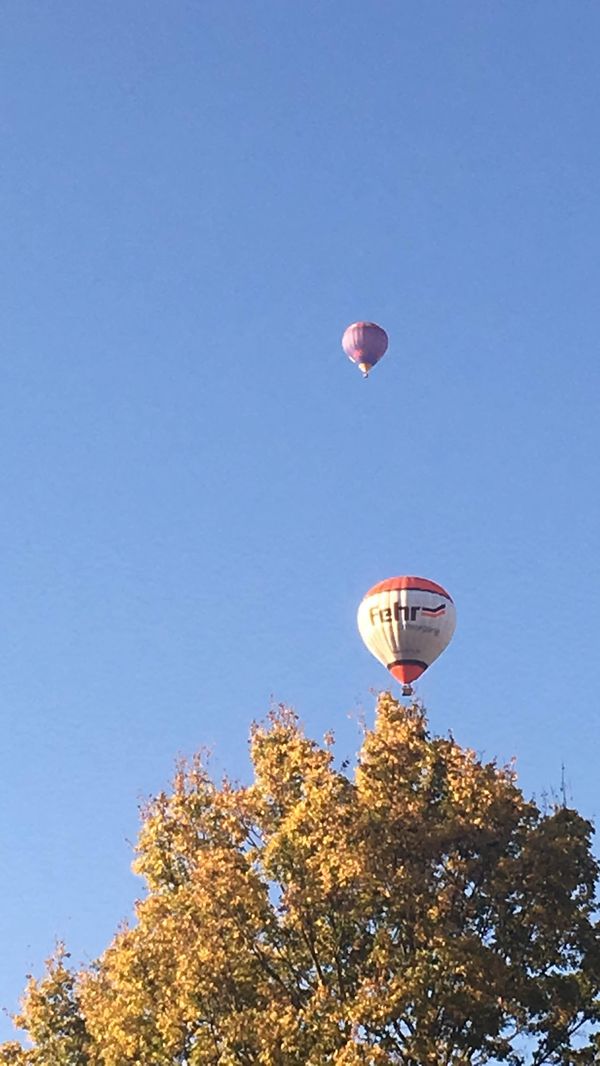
x: 406, y: 622
x: 365, y: 343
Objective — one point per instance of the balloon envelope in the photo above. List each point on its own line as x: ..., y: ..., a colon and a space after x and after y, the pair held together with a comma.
x: 406, y: 622
x: 365, y: 343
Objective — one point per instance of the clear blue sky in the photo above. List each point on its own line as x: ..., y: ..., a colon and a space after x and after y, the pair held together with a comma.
x: 196, y: 486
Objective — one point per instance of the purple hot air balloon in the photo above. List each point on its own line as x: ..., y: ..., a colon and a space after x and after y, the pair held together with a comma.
x: 365, y: 343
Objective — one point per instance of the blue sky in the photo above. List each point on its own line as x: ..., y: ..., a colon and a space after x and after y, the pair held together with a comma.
x: 197, y: 487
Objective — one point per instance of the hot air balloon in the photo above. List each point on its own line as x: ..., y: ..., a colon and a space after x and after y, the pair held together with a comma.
x: 406, y: 622
x: 365, y: 343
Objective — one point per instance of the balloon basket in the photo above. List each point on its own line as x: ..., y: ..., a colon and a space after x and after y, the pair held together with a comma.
x: 408, y: 690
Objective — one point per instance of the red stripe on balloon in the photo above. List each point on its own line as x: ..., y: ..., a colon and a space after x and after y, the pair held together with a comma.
x: 408, y: 672
x: 414, y: 584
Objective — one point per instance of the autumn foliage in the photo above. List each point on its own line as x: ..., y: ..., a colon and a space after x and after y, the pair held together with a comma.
x: 419, y: 912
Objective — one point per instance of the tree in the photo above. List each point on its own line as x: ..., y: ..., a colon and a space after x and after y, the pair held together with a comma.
x: 52, y: 1018
x: 422, y: 913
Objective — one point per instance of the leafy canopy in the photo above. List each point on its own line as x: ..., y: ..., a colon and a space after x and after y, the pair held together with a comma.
x: 422, y: 913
